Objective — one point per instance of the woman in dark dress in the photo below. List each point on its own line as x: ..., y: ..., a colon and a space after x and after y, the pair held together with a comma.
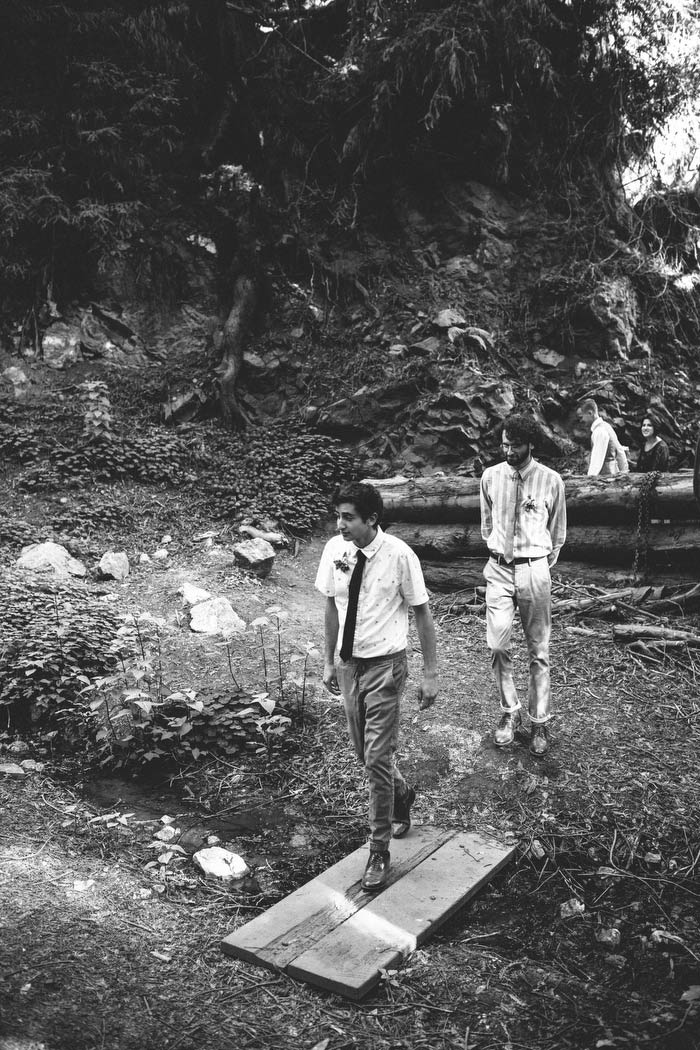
x: 653, y: 455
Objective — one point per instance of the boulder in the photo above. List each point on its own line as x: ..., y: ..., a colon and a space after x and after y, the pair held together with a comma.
x: 18, y: 378
x: 61, y: 345
x: 449, y: 318
x: 45, y: 556
x: 255, y: 554
x: 220, y: 863
x: 114, y: 565
x: 11, y: 769
x: 216, y: 616
x: 192, y: 595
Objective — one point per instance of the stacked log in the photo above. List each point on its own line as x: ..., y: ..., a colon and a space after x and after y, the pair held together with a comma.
x: 440, y: 517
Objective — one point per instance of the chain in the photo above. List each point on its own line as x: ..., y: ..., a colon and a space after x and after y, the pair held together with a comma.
x: 641, y: 540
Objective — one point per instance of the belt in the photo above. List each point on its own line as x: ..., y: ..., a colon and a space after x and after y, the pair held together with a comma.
x: 516, y: 561
x: 388, y: 658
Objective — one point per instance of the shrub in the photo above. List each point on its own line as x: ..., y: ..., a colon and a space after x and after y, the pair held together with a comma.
x: 55, y: 643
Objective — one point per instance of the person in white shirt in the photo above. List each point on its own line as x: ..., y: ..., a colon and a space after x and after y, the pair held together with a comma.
x: 608, y: 457
x: 370, y: 579
x: 523, y: 521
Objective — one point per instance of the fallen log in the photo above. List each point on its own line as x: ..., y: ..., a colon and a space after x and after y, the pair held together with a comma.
x: 645, y: 632
x: 595, y: 543
x: 453, y: 499
x: 461, y: 574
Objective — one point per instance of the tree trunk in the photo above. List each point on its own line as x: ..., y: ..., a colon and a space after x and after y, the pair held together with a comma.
x: 453, y: 498
x: 594, y: 543
x: 233, y: 339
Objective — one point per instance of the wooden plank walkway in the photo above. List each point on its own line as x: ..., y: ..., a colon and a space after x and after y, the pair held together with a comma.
x: 332, y: 934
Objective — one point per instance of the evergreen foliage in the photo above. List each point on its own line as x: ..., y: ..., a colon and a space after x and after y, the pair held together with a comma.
x: 112, y: 111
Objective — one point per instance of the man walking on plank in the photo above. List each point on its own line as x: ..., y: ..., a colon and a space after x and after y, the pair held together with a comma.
x: 523, y: 521
x: 370, y: 578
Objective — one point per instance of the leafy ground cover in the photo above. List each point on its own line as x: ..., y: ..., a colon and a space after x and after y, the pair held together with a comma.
x: 590, y: 938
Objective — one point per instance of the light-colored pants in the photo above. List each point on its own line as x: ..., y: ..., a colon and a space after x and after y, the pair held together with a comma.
x: 372, y: 691
x: 527, y: 587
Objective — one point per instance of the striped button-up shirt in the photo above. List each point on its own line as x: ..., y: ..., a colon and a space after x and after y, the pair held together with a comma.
x: 540, y: 512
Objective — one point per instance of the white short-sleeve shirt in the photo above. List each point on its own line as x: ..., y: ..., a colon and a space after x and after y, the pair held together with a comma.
x: 391, y: 581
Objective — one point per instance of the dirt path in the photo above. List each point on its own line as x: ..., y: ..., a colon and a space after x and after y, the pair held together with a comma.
x: 100, y: 949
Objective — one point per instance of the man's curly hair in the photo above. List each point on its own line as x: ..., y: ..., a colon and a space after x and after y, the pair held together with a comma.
x: 522, y: 428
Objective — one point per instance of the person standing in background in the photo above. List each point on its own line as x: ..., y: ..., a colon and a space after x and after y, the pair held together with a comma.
x: 523, y: 521
x: 608, y: 458
x: 653, y: 454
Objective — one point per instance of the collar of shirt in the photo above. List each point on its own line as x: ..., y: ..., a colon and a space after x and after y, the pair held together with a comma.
x: 371, y: 549
x: 597, y: 422
x: 523, y: 472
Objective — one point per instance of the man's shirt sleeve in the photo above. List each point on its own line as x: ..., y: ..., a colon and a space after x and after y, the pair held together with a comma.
x: 325, y: 582
x: 599, y: 449
x: 557, y: 519
x: 412, y: 582
x: 486, y: 514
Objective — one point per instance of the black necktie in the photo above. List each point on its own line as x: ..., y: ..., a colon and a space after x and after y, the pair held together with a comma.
x: 351, y: 615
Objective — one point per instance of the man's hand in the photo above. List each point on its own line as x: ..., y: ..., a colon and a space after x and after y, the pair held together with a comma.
x: 330, y: 679
x: 427, y: 691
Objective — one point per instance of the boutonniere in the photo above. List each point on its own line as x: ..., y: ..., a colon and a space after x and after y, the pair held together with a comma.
x: 529, y: 504
x: 342, y: 564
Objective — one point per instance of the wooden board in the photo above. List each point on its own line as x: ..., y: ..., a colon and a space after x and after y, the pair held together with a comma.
x: 332, y: 934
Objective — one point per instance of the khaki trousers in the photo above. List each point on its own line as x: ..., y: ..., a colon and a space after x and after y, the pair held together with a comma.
x: 372, y: 691
x: 527, y: 588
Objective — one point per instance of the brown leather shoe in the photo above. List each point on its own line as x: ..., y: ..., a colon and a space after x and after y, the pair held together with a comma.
x: 377, y: 871
x: 402, y: 813
x: 539, y: 741
x: 506, y: 729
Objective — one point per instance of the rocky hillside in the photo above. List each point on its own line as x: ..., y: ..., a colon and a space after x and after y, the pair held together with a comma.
x: 411, y: 341
x: 411, y: 344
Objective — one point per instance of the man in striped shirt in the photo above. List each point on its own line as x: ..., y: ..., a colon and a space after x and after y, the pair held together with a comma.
x: 523, y: 521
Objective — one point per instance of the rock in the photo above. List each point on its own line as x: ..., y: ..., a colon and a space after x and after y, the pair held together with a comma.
x: 608, y: 936
x: 462, y: 266
x: 48, y: 555
x: 114, y: 565
x: 449, y: 318
x: 572, y: 908
x: 18, y: 378
x: 161, y: 554
x: 18, y: 747
x: 549, y: 358
x: 61, y: 345
x: 144, y: 559
x: 11, y: 769
x: 277, y: 538
x: 428, y: 346
x: 29, y: 765
x: 167, y: 833
x: 220, y: 863
x: 255, y: 554
x: 479, y: 338
x: 192, y: 595
x: 216, y: 616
